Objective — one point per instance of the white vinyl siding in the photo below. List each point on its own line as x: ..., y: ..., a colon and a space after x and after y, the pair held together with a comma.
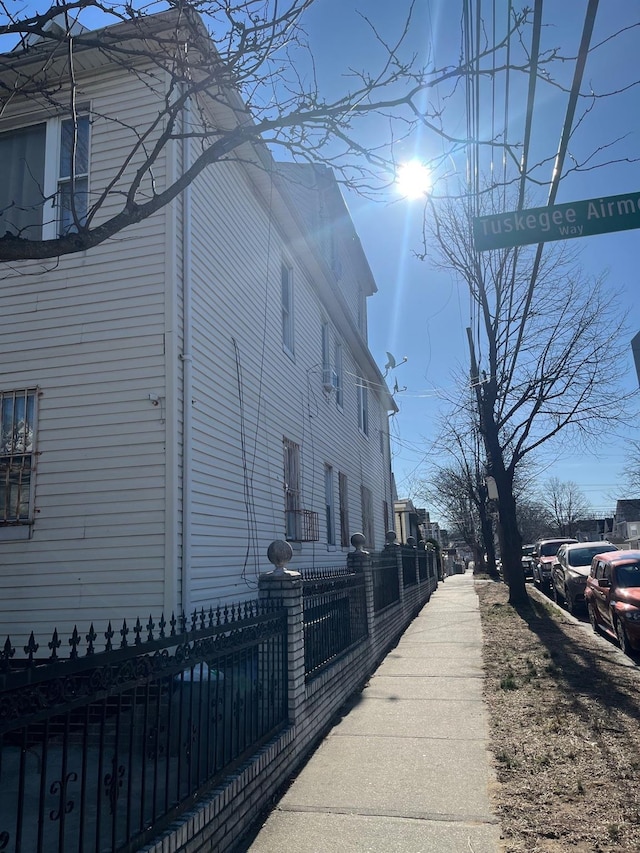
x: 89, y: 331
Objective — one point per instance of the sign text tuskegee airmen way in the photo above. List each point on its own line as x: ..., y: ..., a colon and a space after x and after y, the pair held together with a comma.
x: 559, y: 222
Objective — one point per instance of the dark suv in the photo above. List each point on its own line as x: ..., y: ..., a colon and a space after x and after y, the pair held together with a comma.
x: 544, y: 557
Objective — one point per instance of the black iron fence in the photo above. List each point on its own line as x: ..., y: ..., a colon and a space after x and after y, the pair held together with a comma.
x: 100, y: 752
x: 386, y: 584
x: 335, y: 615
x: 409, y: 565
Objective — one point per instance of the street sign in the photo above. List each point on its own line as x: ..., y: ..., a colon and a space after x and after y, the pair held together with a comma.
x: 559, y: 222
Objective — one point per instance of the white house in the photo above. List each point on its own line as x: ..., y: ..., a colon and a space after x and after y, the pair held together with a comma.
x: 183, y: 394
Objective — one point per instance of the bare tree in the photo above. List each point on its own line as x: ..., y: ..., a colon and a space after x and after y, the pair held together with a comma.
x: 631, y: 473
x: 534, y: 519
x: 230, y: 77
x: 566, y: 503
x: 543, y: 364
x: 456, y: 487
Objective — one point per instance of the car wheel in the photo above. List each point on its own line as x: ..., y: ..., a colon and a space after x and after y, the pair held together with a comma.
x: 593, y: 619
x: 556, y: 595
x: 571, y: 607
x: 622, y: 637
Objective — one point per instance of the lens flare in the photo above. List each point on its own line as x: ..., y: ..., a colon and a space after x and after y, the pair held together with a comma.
x: 413, y: 179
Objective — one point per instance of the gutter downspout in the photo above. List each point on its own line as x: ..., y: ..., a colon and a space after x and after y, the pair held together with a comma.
x: 187, y: 374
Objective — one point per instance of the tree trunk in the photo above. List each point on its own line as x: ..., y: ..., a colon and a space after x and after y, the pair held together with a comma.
x: 510, y: 539
x: 486, y: 528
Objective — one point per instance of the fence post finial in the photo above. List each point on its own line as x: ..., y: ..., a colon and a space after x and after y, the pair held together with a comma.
x: 279, y: 553
x: 358, y: 540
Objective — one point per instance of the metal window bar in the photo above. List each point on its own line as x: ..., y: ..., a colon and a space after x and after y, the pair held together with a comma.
x: 303, y: 525
x: 17, y: 416
x: 102, y: 752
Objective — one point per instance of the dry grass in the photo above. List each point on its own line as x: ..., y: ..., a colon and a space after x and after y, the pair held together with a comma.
x: 565, y: 730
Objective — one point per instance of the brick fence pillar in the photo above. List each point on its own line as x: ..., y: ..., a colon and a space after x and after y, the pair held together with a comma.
x: 360, y: 561
x: 285, y: 585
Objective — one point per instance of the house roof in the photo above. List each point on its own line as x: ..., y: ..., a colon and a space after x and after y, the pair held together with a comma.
x: 628, y: 510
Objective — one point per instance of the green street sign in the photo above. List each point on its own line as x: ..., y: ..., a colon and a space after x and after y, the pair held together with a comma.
x: 559, y: 222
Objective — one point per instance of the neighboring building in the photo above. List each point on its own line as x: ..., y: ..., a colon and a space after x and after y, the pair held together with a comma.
x: 407, y: 521
x: 626, y: 523
x: 185, y: 393
x: 593, y: 529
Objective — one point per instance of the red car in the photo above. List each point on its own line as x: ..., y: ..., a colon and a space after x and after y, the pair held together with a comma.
x: 613, y: 597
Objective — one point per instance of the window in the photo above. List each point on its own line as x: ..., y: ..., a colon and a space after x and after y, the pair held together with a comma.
x: 47, y: 165
x: 363, y: 405
x: 17, y: 436
x: 73, y: 175
x: 366, y: 501
x: 327, y: 380
x: 286, y: 281
x: 292, y: 490
x: 343, y: 497
x: 22, y: 188
x: 329, y: 504
x: 338, y: 374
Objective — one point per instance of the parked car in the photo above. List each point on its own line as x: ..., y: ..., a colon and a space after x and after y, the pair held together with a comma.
x: 571, y: 569
x: 527, y: 560
x: 613, y: 597
x: 543, y: 559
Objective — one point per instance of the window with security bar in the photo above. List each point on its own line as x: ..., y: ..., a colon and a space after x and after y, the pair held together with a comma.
x: 301, y: 525
x: 292, y: 489
x: 17, y: 451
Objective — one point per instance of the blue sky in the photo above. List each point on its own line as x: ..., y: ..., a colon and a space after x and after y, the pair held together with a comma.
x: 422, y: 313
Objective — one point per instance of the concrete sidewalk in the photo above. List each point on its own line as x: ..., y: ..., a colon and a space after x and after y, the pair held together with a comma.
x: 407, y: 769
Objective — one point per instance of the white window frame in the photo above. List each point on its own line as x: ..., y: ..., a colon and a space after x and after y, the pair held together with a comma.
x: 65, y: 180
x: 15, y: 458
x: 286, y: 301
x: 51, y: 207
x: 330, y: 505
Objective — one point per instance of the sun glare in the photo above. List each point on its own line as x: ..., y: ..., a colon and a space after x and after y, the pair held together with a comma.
x: 413, y: 179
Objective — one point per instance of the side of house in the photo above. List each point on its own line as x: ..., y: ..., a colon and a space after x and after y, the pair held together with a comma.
x: 178, y: 397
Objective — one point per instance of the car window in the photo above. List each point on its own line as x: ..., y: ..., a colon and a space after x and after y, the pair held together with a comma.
x: 628, y: 575
x: 583, y: 556
x: 549, y: 549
